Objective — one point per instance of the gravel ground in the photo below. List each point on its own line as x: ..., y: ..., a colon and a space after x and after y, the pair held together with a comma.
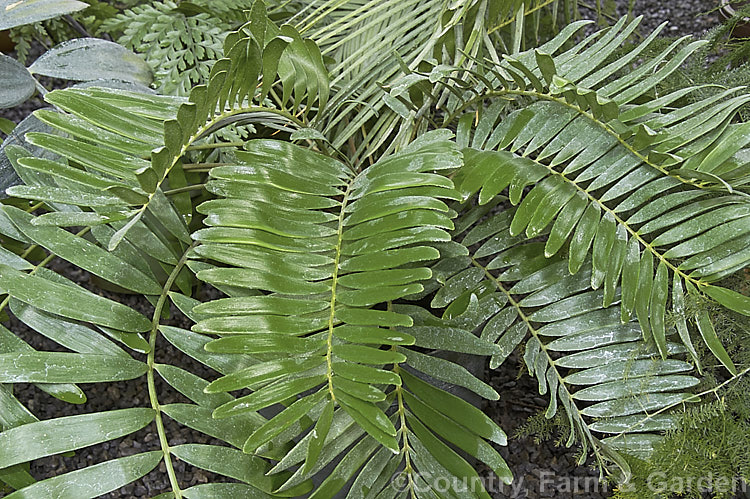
x: 541, y: 469
x: 686, y: 17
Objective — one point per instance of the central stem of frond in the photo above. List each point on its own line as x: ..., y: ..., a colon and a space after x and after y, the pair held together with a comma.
x: 334, y: 281
x: 151, y: 361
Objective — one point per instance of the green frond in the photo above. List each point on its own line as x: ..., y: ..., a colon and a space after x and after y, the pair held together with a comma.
x: 179, y: 46
x: 198, y: 415
x: 317, y: 280
x: 616, y: 173
x: 115, y: 133
x: 108, y: 136
x: 594, y: 367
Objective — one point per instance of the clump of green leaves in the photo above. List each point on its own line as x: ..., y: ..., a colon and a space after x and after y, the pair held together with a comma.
x: 550, y: 202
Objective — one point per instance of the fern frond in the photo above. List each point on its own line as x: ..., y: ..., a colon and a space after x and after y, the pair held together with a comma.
x: 180, y: 48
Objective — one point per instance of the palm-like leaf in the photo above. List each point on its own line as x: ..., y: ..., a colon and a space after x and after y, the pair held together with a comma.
x: 133, y: 128
x: 115, y: 155
x: 578, y: 349
x: 317, y: 257
x: 616, y: 179
x: 309, y: 285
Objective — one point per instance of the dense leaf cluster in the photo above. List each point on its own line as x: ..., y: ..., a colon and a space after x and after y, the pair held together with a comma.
x: 390, y: 217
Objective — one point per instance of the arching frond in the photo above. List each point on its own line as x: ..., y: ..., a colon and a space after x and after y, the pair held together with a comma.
x: 313, y: 287
x: 594, y: 367
x: 114, y: 161
x: 618, y: 172
x: 128, y: 129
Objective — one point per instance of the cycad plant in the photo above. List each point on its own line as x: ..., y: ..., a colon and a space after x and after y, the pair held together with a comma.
x: 411, y: 195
